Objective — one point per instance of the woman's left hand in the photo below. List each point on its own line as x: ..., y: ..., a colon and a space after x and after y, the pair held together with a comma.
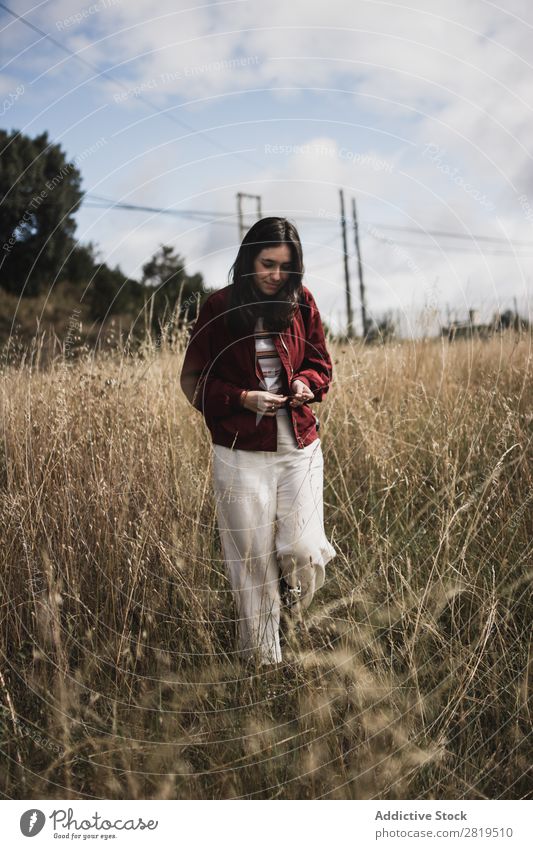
x: 302, y: 393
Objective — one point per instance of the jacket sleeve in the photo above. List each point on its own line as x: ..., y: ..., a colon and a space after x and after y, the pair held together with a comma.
x: 316, y: 370
x: 206, y: 392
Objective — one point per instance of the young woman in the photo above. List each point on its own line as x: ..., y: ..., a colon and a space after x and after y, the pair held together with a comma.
x: 255, y: 362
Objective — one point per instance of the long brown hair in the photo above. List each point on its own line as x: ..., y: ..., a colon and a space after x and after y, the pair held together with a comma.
x: 246, y: 303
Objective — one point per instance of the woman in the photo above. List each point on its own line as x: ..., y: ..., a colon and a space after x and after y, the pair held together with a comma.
x: 256, y: 360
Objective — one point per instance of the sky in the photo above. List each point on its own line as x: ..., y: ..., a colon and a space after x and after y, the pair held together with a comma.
x: 421, y: 112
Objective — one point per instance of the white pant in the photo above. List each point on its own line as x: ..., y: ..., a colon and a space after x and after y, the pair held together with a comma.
x: 269, y: 508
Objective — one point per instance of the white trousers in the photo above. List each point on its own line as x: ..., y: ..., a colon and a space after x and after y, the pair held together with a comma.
x: 269, y: 507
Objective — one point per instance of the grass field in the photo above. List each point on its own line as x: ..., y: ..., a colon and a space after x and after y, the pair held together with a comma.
x: 411, y: 674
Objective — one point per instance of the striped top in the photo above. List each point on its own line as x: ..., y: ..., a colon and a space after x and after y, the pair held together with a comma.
x: 270, y: 365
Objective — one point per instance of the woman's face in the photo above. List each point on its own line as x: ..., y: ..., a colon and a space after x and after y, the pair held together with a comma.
x: 272, y: 267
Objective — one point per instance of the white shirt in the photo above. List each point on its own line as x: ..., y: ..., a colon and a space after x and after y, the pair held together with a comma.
x: 269, y: 362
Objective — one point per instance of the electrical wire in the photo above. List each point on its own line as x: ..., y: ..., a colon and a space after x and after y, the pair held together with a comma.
x: 227, y: 218
x: 454, y: 248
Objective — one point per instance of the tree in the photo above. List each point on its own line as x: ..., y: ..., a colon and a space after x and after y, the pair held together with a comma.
x: 165, y: 274
x: 40, y: 194
x: 82, y: 263
x: 112, y: 292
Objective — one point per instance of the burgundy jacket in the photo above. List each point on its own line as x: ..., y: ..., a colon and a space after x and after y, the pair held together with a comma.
x: 218, y: 367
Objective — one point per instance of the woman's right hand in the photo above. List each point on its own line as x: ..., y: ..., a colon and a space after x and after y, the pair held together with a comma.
x: 266, y: 403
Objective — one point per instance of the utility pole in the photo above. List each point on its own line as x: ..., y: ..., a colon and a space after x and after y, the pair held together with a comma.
x: 240, y: 196
x: 360, y: 269
x: 349, y: 312
x: 516, y: 318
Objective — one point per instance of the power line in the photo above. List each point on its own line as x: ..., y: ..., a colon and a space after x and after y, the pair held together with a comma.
x: 180, y: 213
x: 122, y: 204
x: 450, y: 234
x: 453, y: 248
x: 419, y: 231
x: 228, y: 218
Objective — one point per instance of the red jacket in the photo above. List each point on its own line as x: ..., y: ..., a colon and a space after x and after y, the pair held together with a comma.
x: 217, y: 368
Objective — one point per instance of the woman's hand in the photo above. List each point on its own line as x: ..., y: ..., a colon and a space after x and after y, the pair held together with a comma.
x: 302, y: 393
x: 266, y: 403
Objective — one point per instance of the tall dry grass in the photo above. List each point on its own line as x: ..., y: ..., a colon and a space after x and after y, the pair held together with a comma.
x: 410, y: 676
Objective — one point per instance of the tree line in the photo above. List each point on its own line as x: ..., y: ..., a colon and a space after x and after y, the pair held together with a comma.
x: 40, y: 194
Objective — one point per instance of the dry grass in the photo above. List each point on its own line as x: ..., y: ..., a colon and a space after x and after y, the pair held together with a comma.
x: 410, y: 677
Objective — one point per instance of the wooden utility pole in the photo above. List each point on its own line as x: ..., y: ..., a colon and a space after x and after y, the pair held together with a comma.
x: 349, y: 313
x: 240, y: 196
x: 360, y: 269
